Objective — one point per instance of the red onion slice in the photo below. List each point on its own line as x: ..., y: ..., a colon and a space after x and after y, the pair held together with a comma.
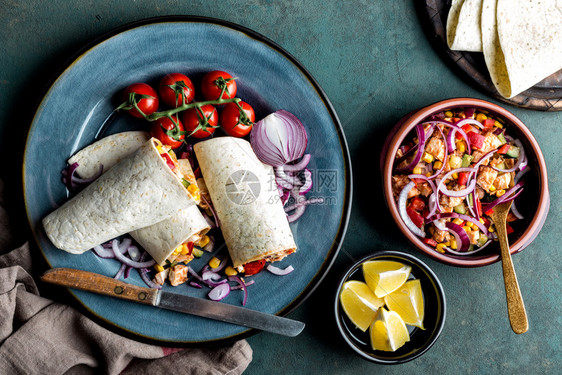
x: 278, y: 271
x: 460, y: 193
x: 298, y: 166
x: 219, y: 292
x: 463, y: 242
x: 417, y: 157
x: 242, y: 285
x: 129, y: 262
x: 402, y: 198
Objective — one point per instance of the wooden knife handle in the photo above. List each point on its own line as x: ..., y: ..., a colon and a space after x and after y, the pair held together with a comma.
x: 93, y: 282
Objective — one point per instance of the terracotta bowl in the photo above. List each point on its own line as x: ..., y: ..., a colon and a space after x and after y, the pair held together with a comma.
x: 533, y: 203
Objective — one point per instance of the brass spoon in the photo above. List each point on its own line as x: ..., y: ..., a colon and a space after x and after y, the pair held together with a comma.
x: 515, y: 305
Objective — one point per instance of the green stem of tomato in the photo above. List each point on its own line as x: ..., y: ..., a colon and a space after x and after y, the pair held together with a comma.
x: 168, y: 113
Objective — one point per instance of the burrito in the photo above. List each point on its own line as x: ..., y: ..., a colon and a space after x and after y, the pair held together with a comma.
x: 164, y: 240
x: 142, y: 189
x: 107, y: 152
x: 246, y: 201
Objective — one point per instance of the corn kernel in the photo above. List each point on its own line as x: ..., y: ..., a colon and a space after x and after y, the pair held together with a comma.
x: 453, y: 244
x: 448, y: 114
x: 192, y: 188
x: 492, y: 188
x: 437, y: 165
x: 448, y: 243
x: 498, y: 124
x: 184, y: 249
x: 491, y: 229
x: 214, y: 262
x: 203, y: 241
x: 158, y: 268
x: 229, y: 271
x: 482, y: 221
x: 455, y: 162
x: 428, y: 158
x: 417, y: 170
x: 440, y: 248
x: 481, y: 117
x: 428, y: 174
x: 457, y: 221
x: 500, y: 192
x: 461, y: 146
x: 467, y: 229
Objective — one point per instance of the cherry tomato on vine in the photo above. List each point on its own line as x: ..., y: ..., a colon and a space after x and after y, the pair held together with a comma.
x: 213, y: 84
x: 200, y: 122
x: 235, y: 123
x: 167, y: 132
x: 174, y: 87
x: 142, y: 96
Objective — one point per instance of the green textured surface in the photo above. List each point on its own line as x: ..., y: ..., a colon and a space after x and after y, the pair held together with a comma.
x: 375, y: 64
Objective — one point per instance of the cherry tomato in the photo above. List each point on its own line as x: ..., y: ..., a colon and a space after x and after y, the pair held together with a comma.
x: 200, y: 123
x: 213, y: 84
x: 166, y: 131
x: 145, y: 98
x: 233, y: 123
x: 174, y: 88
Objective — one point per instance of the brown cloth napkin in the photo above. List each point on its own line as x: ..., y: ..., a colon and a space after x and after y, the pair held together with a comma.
x: 40, y: 336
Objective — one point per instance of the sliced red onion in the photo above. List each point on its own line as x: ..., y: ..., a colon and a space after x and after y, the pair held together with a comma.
x: 460, y: 193
x: 278, y: 271
x: 465, y: 253
x: 454, y: 215
x: 129, y: 262
x: 143, y: 272
x: 509, y: 195
x: 299, y: 165
x: 102, y: 252
x: 242, y: 285
x: 195, y: 285
x: 219, y: 292
x: 417, y: 157
x: 463, y: 242
x: 210, y: 275
x: 516, y: 212
x: 120, y: 271
x: 236, y: 287
x: 520, y: 174
x: 470, y: 121
x: 307, y: 185
x: 192, y: 272
x: 279, y: 138
x: 402, y: 198
x: 210, y: 205
x: 134, y: 252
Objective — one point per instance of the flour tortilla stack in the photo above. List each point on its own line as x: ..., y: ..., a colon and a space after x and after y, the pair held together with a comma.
x: 107, y: 152
x: 463, y: 26
x: 137, y: 192
x: 246, y: 200
x: 161, y: 239
x: 527, y: 44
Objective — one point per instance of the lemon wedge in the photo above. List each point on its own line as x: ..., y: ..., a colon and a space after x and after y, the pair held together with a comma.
x: 385, y: 276
x: 407, y: 301
x: 388, y: 332
x: 359, y: 303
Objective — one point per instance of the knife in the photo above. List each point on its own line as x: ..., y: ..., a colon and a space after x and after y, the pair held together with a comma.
x: 93, y: 282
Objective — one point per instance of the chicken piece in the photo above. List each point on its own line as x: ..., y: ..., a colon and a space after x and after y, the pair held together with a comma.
x: 424, y: 189
x: 478, y: 155
x: 473, y: 236
x: 491, y: 141
x: 436, y: 147
x: 502, y: 181
x: 480, y: 192
x: 450, y: 202
x: 486, y: 177
x: 178, y: 274
x: 184, y: 258
x: 161, y: 277
x: 398, y: 183
x: 439, y: 235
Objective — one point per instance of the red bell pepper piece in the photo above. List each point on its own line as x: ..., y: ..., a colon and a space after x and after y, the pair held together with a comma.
x: 253, y: 267
x: 416, y: 217
x: 509, y: 229
x: 488, y: 124
x: 429, y: 241
x: 417, y: 204
x: 168, y: 159
x: 476, y: 140
x: 503, y: 149
x: 463, y: 178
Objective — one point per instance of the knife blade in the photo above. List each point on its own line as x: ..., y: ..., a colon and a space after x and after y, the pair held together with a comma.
x: 100, y: 284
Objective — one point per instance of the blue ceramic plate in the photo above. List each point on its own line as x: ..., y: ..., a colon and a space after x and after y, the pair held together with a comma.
x: 80, y: 104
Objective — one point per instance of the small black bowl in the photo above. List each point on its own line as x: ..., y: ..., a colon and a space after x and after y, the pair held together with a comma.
x: 420, y: 340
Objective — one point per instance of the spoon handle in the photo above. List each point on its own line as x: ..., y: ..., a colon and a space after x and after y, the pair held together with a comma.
x: 515, y: 305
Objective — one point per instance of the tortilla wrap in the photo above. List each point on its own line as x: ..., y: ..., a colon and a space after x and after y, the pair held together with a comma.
x: 530, y: 38
x: 108, y: 151
x: 246, y: 200
x: 463, y: 26
x: 161, y: 239
x: 137, y: 192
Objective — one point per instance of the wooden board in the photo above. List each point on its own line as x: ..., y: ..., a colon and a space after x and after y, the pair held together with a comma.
x: 544, y: 96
